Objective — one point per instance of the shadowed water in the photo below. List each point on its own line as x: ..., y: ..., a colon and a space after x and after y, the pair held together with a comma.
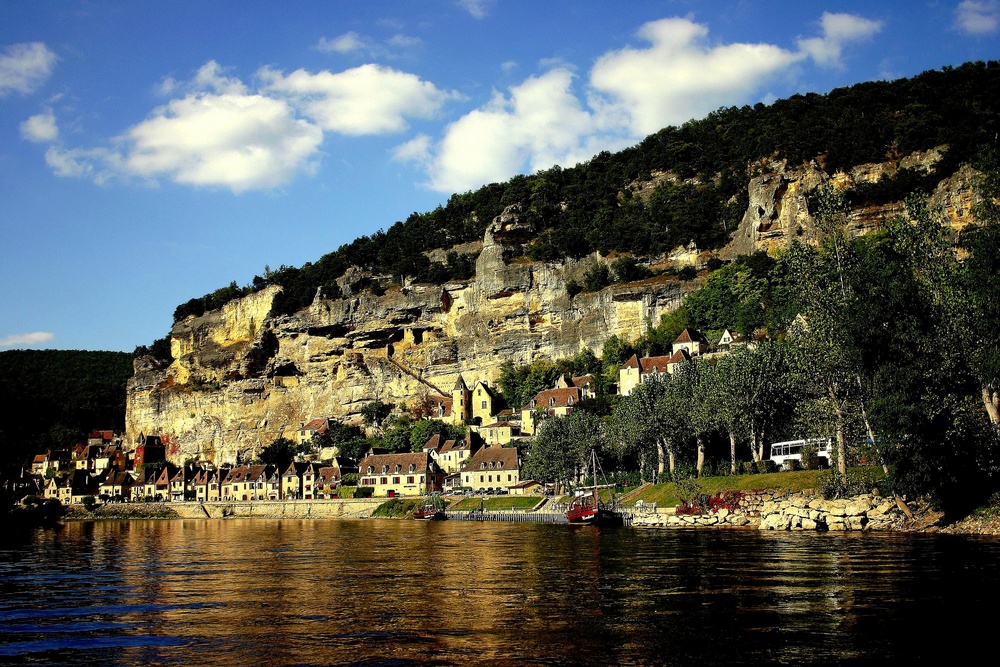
x: 258, y: 592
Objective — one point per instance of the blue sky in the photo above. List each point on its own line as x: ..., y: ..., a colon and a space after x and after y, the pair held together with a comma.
x: 151, y: 152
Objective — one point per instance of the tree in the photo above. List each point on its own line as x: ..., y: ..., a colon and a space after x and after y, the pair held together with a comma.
x: 280, y: 453
x: 644, y: 426
x: 376, y: 413
x: 755, y: 394
x: 560, y: 450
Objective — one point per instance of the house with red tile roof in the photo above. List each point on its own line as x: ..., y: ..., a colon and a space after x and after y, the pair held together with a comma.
x: 635, y: 371
x: 491, y: 469
x: 554, y: 402
x: 393, y: 475
x: 692, y: 341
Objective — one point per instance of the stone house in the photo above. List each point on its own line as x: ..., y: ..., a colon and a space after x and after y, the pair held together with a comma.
x: 401, y: 474
x: 692, y: 341
x: 555, y: 403
x: 494, y: 468
x: 118, y: 485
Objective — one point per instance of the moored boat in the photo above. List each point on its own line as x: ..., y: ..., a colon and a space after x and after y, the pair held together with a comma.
x: 590, y: 509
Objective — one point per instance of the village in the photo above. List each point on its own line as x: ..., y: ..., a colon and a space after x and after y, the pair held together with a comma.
x: 486, y: 461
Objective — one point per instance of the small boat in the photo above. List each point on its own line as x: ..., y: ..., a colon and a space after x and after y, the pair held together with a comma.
x: 590, y: 509
x: 430, y: 511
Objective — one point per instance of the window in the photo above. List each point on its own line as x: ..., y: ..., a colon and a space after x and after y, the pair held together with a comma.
x: 483, y: 405
x: 395, y: 480
x: 409, y: 480
x: 384, y: 480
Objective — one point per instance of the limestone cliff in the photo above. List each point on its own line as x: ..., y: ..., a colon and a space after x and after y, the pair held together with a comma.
x: 238, y: 378
x: 778, y: 212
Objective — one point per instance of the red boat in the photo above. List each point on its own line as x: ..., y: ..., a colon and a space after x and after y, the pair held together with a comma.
x: 589, y: 509
x: 432, y: 510
x: 582, y: 510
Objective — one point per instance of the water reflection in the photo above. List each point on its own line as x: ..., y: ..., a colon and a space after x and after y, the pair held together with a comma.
x: 405, y: 592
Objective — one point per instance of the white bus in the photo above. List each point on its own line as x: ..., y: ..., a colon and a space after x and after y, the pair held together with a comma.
x: 791, y: 450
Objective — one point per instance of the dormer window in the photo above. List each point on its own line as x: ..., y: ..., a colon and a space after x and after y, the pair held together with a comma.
x: 412, y: 467
x: 370, y: 470
x: 385, y: 469
x: 552, y: 401
x: 569, y: 400
x: 397, y: 468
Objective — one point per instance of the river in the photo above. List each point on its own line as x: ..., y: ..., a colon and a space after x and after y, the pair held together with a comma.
x: 330, y: 592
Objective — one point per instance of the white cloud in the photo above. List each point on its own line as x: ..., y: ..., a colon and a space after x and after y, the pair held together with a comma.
x: 352, y: 43
x: 838, y: 29
x: 680, y: 76
x: 978, y: 17
x: 370, y: 99
x: 239, y: 141
x: 98, y: 164
x: 541, y: 123
x: 346, y: 43
x: 417, y: 149
x: 477, y: 8
x: 404, y: 41
x: 24, y: 67
x: 33, y: 338
x: 631, y: 92
x: 40, y: 128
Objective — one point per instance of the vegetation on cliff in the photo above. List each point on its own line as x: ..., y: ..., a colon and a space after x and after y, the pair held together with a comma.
x: 704, y: 166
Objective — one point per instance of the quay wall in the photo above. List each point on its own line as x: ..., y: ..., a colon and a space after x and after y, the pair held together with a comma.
x: 347, y: 508
x: 784, y: 510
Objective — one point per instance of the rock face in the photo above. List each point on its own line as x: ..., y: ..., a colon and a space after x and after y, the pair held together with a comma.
x: 778, y: 212
x: 239, y: 378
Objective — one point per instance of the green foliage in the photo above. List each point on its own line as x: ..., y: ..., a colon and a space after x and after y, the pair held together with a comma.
x: 54, y: 398
x: 376, y: 413
x: 397, y: 508
x: 89, y: 503
x: 858, y: 481
x: 562, y: 447
x: 626, y: 269
x: 596, y: 278
x: 280, y: 453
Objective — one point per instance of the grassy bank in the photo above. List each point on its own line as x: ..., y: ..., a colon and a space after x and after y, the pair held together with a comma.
x: 666, y: 495
x: 121, y: 511
x: 504, y: 503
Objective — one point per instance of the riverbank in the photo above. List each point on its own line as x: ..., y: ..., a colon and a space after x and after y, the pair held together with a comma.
x: 767, y: 510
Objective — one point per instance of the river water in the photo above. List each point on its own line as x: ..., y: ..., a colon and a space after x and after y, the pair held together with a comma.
x: 330, y: 592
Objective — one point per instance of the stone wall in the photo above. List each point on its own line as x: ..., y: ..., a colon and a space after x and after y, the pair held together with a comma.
x: 782, y: 510
x: 356, y: 508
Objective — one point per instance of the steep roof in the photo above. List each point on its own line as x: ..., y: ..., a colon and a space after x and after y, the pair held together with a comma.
x: 633, y: 362
x: 555, y: 398
x: 433, y: 443
x: 655, y: 364
x: 318, y: 424
x: 420, y: 461
x: 689, y: 336
x: 583, y: 380
x: 460, y: 384
x: 501, y: 458
x: 679, y: 356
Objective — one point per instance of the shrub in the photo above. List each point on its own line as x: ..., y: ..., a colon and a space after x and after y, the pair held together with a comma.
x: 573, y: 288
x: 89, y: 503
x: 859, y: 482
x: 349, y: 479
